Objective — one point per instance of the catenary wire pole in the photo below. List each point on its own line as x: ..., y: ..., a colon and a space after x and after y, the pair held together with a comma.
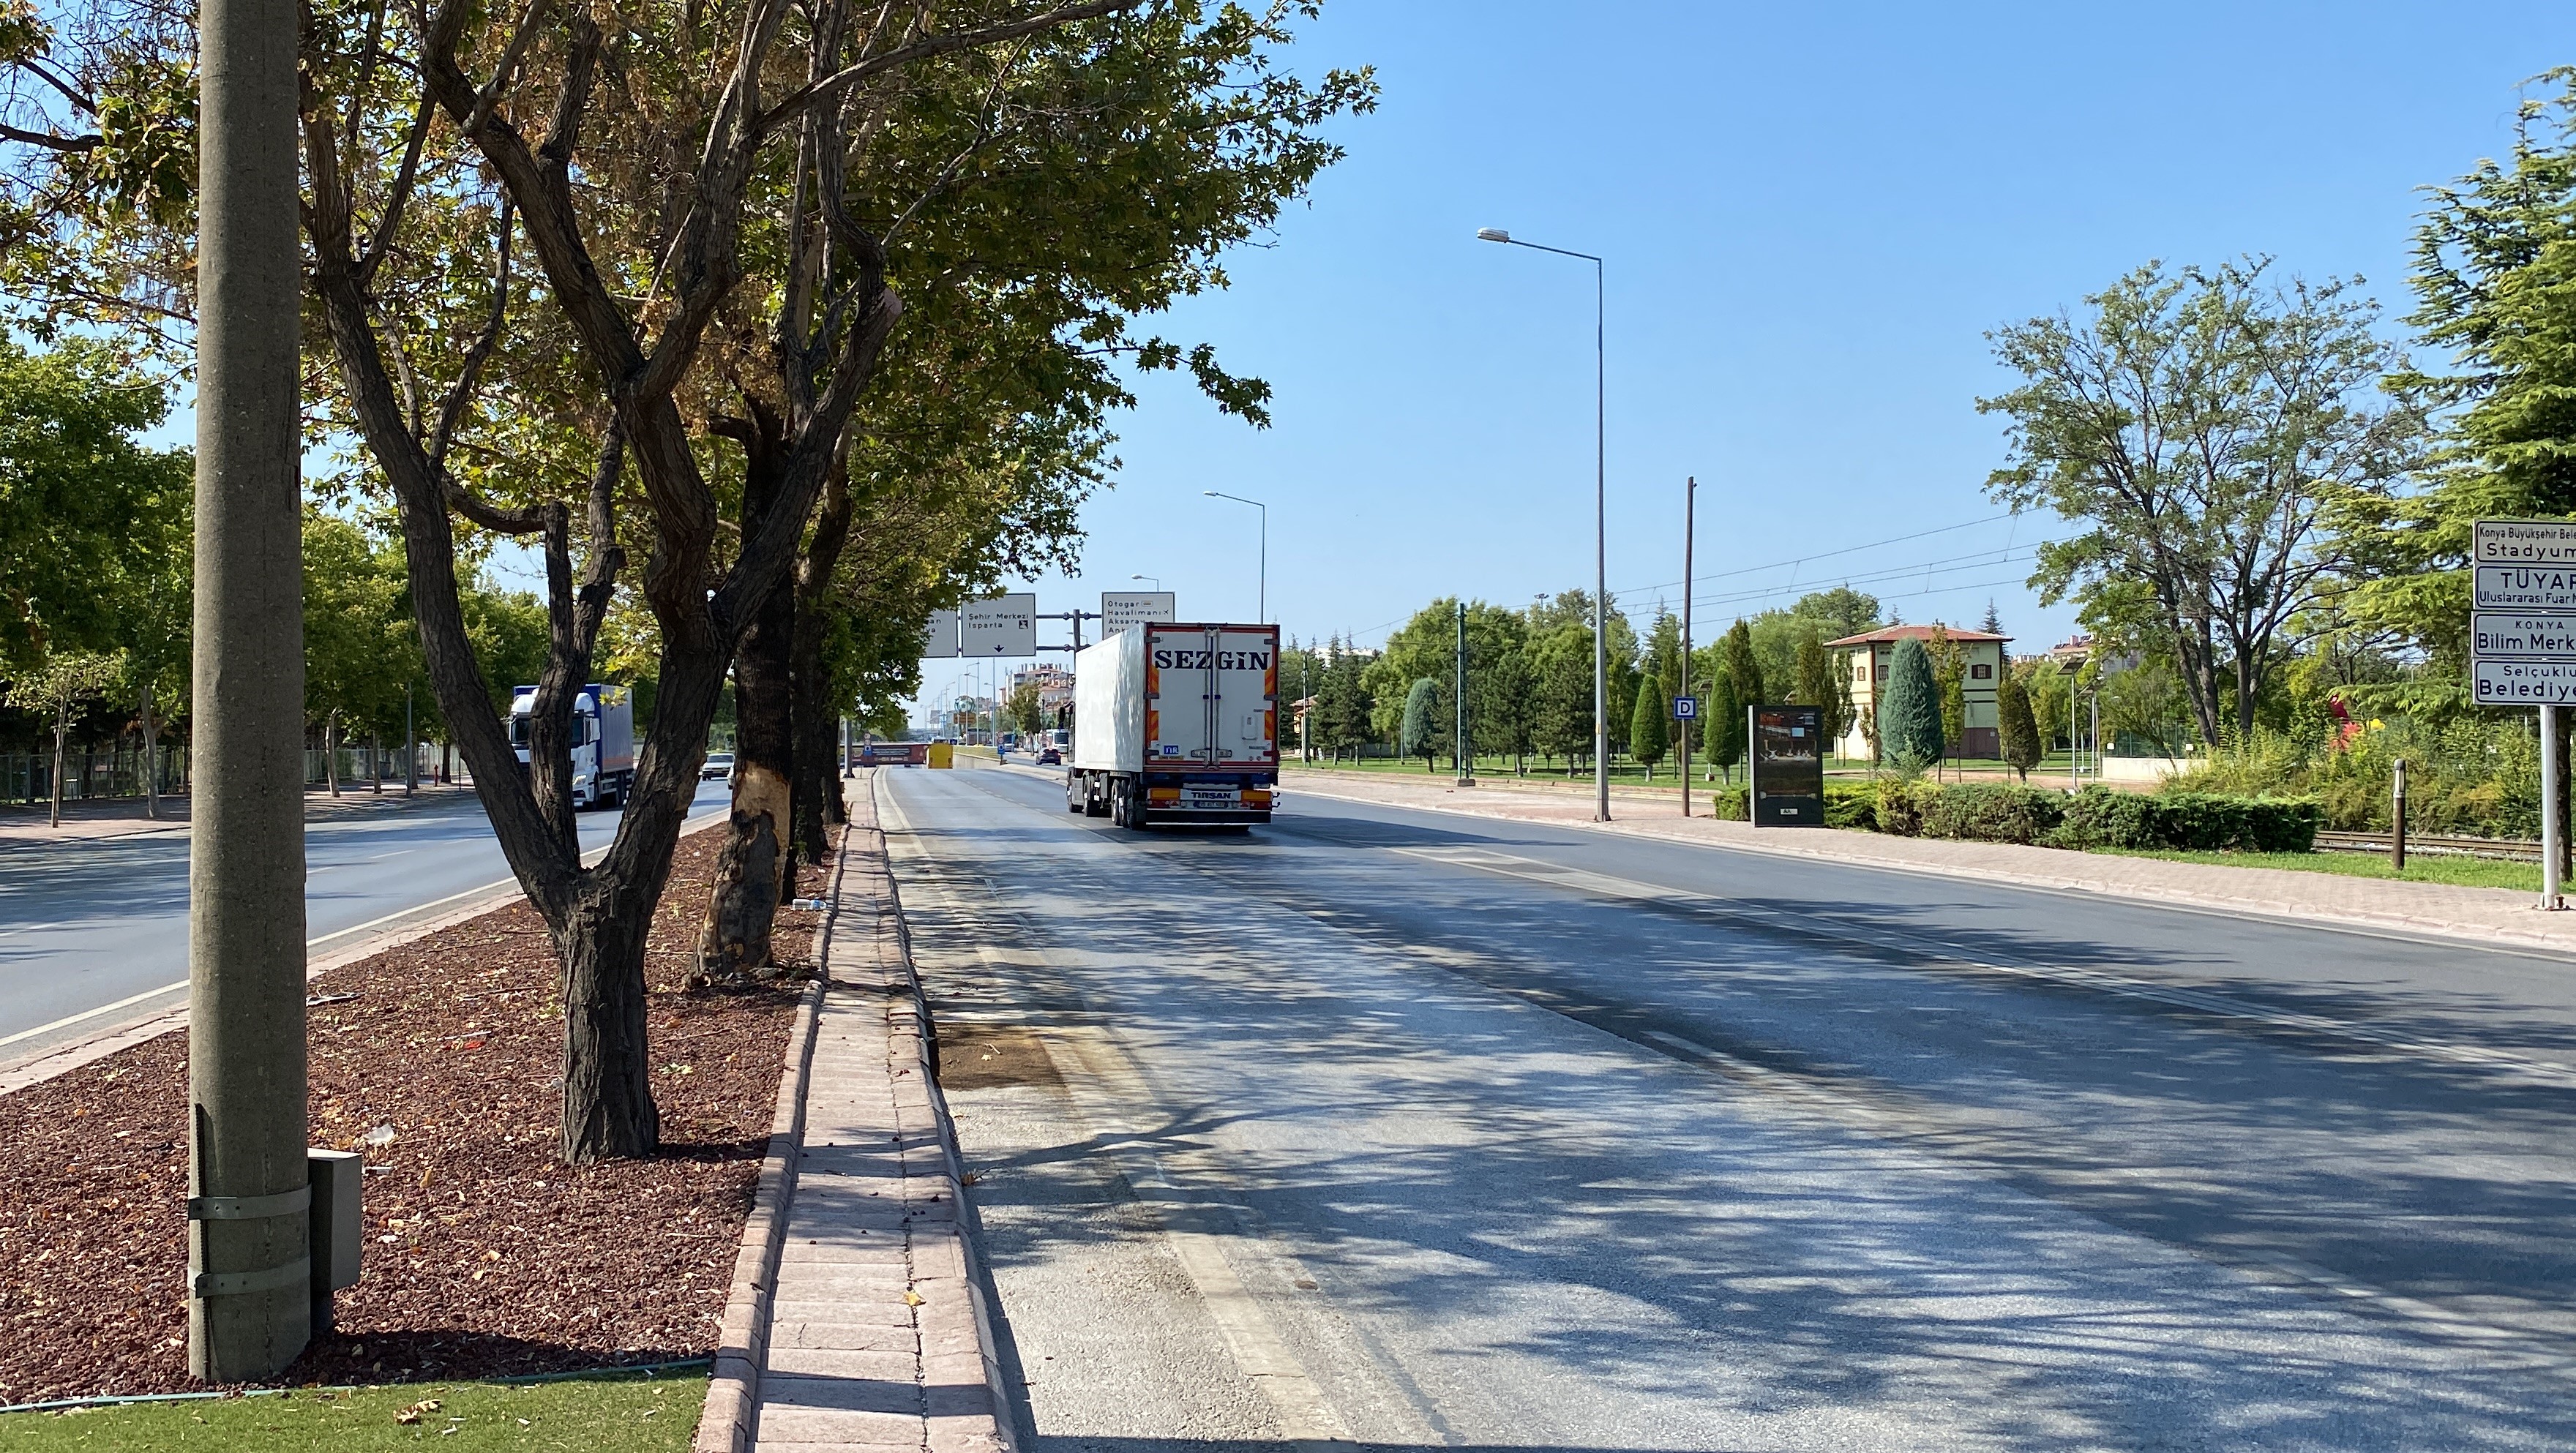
x: 249, y: 1268
x: 1600, y: 514
x: 1690, y: 503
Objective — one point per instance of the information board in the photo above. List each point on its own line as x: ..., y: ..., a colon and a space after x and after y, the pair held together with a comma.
x: 2522, y: 629
x: 1685, y: 708
x: 1005, y: 625
x: 1120, y: 609
x: 1787, y: 756
x: 939, y: 638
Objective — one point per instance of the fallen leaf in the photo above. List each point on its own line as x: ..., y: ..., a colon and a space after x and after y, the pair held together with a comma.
x: 912, y: 1299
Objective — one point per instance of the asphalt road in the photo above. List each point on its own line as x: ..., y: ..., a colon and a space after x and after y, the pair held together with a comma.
x: 1411, y: 1130
x: 93, y: 932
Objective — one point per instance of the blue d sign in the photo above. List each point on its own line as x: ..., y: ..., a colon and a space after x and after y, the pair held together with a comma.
x: 1685, y: 708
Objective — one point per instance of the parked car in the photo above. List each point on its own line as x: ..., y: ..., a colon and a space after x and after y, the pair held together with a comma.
x: 719, y: 764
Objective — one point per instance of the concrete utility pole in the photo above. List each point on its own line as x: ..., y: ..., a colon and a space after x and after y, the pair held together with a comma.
x: 1462, y: 749
x: 250, y: 1276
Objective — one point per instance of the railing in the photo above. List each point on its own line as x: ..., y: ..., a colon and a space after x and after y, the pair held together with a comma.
x: 2517, y: 849
x: 29, y: 776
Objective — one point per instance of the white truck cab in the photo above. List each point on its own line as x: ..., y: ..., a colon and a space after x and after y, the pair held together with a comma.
x: 603, y: 742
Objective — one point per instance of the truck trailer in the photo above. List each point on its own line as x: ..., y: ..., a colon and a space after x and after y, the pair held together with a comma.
x: 603, y: 742
x: 1176, y: 724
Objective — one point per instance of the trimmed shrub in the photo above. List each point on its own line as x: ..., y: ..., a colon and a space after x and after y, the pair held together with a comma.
x: 1852, y: 805
x: 2193, y: 821
x: 1992, y: 812
x: 1898, y: 812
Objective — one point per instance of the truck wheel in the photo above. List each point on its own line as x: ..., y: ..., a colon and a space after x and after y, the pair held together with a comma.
x: 1135, y: 800
x: 1072, y: 793
x: 1117, y: 806
x: 1095, y: 802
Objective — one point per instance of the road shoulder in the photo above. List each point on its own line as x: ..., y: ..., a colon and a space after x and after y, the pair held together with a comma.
x: 2487, y: 917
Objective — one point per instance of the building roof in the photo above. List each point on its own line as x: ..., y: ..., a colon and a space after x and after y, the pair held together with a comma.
x: 1885, y: 634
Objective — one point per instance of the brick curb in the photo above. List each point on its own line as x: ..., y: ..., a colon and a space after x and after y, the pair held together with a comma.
x: 2400, y: 924
x: 733, y: 1385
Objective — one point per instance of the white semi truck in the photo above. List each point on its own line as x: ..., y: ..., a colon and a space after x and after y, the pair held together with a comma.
x: 603, y: 742
x: 1176, y: 724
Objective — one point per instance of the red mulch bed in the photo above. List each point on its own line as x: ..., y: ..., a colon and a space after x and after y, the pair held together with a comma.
x: 485, y: 1255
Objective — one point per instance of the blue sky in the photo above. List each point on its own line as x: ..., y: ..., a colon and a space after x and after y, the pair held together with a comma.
x: 1811, y: 216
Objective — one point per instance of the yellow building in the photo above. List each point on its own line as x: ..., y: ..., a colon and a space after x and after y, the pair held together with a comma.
x: 1868, y: 656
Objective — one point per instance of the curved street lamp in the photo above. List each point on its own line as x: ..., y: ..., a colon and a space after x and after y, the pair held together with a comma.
x: 1265, y: 544
x: 1600, y: 520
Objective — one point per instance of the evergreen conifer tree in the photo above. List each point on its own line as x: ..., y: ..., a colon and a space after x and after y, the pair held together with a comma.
x: 2015, y: 725
x: 1421, y: 726
x: 1724, y: 723
x: 1736, y: 652
x: 1909, y: 716
x: 1646, y: 730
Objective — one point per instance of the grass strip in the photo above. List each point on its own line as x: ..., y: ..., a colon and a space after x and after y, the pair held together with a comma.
x: 626, y: 1414
x: 2462, y: 872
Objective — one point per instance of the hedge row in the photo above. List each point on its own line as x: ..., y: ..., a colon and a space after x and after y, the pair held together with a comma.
x: 1996, y: 812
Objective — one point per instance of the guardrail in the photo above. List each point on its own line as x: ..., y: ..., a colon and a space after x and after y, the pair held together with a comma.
x: 2521, y: 850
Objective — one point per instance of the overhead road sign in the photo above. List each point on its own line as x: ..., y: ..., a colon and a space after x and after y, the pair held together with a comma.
x: 2524, y: 542
x: 1120, y: 609
x: 2523, y: 683
x: 2526, y: 588
x: 2522, y: 636
x: 939, y: 638
x: 1005, y: 625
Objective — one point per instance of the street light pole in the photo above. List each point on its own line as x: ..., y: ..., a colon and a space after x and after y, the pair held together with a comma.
x: 1690, y: 504
x: 1265, y: 546
x: 1600, y: 514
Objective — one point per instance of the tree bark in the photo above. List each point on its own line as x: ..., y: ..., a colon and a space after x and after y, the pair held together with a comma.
x: 608, y: 1107
x: 815, y: 788
x: 755, y: 870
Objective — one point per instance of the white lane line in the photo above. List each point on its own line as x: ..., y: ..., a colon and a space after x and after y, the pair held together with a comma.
x: 588, y: 859
x: 1581, y: 881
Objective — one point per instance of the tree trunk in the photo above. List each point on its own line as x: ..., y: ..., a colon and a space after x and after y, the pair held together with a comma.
x: 755, y: 871
x: 62, y: 730
x: 608, y: 1108
x: 331, y: 752
x: 151, y: 746
x: 815, y: 788
x: 376, y: 765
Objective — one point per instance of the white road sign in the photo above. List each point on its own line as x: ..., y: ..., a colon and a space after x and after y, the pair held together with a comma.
x: 1120, y: 609
x: 2508, y: 636
x: 2525, y: 542
x: 1006, y: 625
x: 2522, y: 683
x: 939, y: 638
x: 2526, y: 588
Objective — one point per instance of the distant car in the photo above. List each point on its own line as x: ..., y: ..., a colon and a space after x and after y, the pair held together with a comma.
x: 1050, y: 757
x: 719, y: 764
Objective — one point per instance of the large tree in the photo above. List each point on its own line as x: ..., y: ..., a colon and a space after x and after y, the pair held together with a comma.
x: 616, y: 284
x: 2495, y: 285
x: 1909, y: 714
x: 2203, y: 426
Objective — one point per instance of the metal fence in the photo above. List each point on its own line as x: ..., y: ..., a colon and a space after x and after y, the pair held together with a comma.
x: 29, y: 777
x: 88, y: 776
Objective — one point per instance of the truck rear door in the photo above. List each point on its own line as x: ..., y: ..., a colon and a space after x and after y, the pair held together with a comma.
x: 1213, y: 694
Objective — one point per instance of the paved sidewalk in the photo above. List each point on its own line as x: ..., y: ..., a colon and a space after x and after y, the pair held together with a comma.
x: 872, y: 1338
x: 2492, y: 915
